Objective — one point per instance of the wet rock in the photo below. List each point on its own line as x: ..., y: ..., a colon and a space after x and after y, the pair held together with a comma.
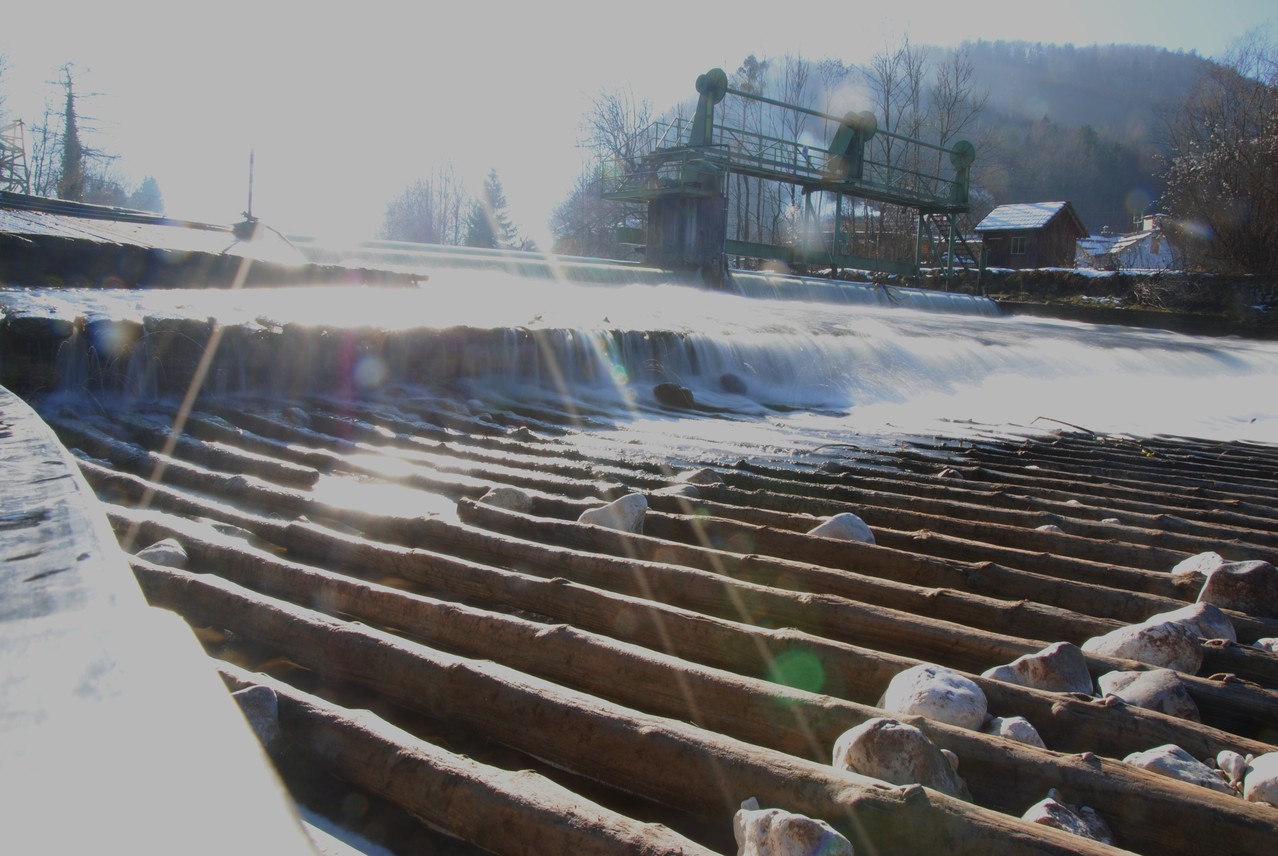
x: 899, y: 754
x: 1261, y: 781
x: 1204, y: 620
x: 1016, y: 728
x: 1165, y: 644
x: 1079, y: 820
x: 625, y: 514
x: 705, y: 476
x: 508, y: 498
x: 1269, y: 643
x: 169, y: 553
x: 1250, y: 587
x: 733, y: 384
x: 261, y: 708
x: 1170, y: 760
x: 938, y: 693
x: 1197, y: 568
x: 845, y: 527
x: 673, y: 395
x: 1157, y: 689
x: 1058, y: 668
x: 776, y: 832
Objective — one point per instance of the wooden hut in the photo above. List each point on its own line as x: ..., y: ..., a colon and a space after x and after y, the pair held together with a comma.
x: 1031, y: 235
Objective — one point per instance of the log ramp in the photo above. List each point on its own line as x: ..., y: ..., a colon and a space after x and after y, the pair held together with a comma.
x: 528, y: 684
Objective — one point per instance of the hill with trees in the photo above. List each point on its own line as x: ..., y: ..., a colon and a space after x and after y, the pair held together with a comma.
x: 1050, y: 122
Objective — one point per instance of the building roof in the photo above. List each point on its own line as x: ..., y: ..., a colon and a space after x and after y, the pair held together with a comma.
x: 1022, y: 215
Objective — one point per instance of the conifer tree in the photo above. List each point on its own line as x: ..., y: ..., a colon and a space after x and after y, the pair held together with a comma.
x: 489, y: 222
x: 71, y: 185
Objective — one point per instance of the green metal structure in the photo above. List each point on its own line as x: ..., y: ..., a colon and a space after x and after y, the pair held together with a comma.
x: 684, y: 171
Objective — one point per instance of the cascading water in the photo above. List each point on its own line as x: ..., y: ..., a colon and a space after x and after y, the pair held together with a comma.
x: 823, y: 369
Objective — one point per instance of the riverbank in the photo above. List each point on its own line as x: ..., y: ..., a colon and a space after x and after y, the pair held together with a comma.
x: 1196, y: 304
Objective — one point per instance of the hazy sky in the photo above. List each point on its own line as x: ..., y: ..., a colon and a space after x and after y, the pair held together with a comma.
x: 345, y: 106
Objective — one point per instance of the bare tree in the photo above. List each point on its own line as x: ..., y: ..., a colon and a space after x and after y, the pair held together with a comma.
x: 614, y: 127
x: 429, y: 211
x: 1222, y: 182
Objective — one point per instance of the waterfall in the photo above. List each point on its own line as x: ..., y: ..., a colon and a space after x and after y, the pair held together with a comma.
x: 859, y: 363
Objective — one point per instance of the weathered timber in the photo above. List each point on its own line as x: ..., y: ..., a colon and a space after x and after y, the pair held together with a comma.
x: 1235, y: 706
x: 696, y: 526
x: 156, y: 436
x: 516, y: 813
x: 1014, y: 528
x: 678, y: 765
x: 1146, y: 811
x: 850, y: 672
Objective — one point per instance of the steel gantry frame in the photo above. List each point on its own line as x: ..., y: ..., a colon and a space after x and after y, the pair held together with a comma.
x: 683, y: 176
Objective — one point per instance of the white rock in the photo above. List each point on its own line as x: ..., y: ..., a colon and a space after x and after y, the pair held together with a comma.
x: 952, y: 758
x: 1016, y: 728
x: 1202, y: 619
x: 1156, y: 689
x: 1250, y: 587
x: 1269, y: 643
x: 938, y: 693
x: 1197, y: 568
x: 899, y: 754
x: 625, y: 514
x: 705, y: 475
x: 1261, y: 781
x: 1164, y: 644
x: 1171, y: 760
x: 1058, y: 668
x: 1233, y: 765
x: 1079, y: 820
x: 168, y: 552
x: 846, y: 527
x: 1113, y: 520
x: 775, y: 832
x: 508, y: 498
x: 1050, y: 527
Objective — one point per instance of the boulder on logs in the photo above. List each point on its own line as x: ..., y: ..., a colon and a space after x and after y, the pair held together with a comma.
x: 1171, y: 760
x: 1250, y: 587
x: 897, y: 753
x: 1158, y: 689
x: 938, y: 693
x: 1058, y: 668
x: 776, y: 832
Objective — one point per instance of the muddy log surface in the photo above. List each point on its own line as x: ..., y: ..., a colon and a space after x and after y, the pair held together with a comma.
x: 629, y: 690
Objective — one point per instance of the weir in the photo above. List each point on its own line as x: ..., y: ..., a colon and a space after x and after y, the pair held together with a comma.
x: 322, y: 455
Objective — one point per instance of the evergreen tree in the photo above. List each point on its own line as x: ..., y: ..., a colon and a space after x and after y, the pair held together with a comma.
x: 489, y: 223
x: 71, y: 185
x: 147, y: 196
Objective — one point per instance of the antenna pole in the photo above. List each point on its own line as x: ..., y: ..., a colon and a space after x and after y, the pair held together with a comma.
x: 248, y: 215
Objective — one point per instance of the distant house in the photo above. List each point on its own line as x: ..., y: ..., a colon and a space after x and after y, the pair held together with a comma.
x: 1148, y: 249
x: 1031, y: 235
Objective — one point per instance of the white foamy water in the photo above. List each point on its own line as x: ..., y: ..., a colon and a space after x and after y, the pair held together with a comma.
x: 823, y: 370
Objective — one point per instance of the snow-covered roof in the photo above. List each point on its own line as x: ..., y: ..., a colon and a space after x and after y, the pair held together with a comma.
x: 1022, y: 215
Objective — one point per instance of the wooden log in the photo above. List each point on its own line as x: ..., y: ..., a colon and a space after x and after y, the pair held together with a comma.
x: 678, y: 765
x: 155, y: 435
x: 1015, y: 528
x: 849, y: 672
x: 1002, y: 774
x: 695, y: 526
x: 1236, y: 707
x: 517, y: 813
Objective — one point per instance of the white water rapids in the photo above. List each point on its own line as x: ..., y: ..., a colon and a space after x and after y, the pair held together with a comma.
x: 800, y: 372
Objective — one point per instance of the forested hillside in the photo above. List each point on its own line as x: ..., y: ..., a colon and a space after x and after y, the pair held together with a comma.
x: 1085, y: 124
x: 1049, y: 122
